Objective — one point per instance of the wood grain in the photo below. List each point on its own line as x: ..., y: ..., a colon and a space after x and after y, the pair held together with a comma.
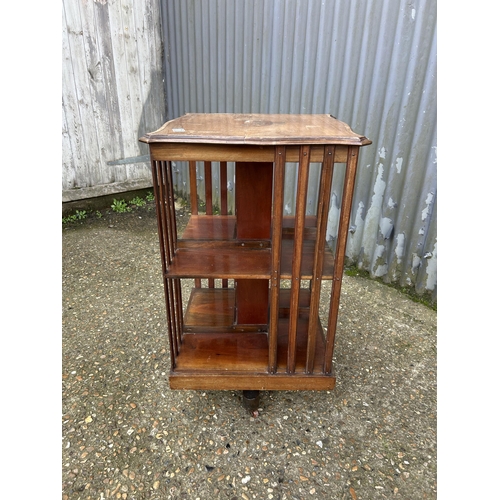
x: 256, y: 335
x: 230, y: 152
x: 256, y: 129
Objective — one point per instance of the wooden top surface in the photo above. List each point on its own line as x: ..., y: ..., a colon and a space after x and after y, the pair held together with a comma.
x: 257, y: 129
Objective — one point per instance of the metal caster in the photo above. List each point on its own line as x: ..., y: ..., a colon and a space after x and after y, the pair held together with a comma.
x: 251, y: 402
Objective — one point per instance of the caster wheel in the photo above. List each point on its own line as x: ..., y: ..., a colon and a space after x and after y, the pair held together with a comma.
x: 251, y: 402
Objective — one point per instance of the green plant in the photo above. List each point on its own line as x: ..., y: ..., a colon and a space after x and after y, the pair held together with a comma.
x: 69, y: 218
x: 78, y: 215
x: 150, y: 196
x: 98, y: 214
x: 120, y: 206
x: 138, y: 202
x: 425, y: 299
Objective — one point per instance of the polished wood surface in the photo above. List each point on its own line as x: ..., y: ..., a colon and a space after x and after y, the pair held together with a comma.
x: 247, y: 351
x: 221, y: 263
x: 277, y: 222
x: 229, y: 352
x: 209, y: 380
x: 212, y: 309
x: 271, y: 129
x: 232, y: 261
x: 200, y: 227
x: 178, y: 151
x: 252, y: 299
x: 253, y: 200
x: 253, y: 334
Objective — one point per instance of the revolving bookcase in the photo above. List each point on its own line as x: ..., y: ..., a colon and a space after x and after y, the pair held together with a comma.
x: 255, y: 270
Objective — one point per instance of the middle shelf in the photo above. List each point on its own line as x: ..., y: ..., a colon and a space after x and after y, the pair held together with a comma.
x: 208, y: 249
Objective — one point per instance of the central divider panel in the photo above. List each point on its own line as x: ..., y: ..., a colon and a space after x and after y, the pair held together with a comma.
x: 253, y: 200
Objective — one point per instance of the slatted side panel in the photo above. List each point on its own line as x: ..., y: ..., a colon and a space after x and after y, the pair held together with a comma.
x: 370, y: 64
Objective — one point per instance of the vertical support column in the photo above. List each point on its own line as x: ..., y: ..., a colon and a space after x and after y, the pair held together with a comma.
x: 223, y: 197
x: 193, y: 196
x: 345, y: 213
x: 209, y: 209
x: 193, y: 190
x: 300, y: 212
x: 208, y: 188
x: 276, y: 235
x: 165, y: 252
x: 322, y: 219
x: 223, y: 187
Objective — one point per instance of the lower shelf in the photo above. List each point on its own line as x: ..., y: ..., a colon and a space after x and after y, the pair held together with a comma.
x: 239, y: 360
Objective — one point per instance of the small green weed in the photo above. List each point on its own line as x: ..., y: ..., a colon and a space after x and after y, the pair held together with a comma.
x: 138, y: 202
x: 120, y: 206
x: 78, y: 215
x: 69, y: 218
x: 98, y: 214
x: 150, y: 196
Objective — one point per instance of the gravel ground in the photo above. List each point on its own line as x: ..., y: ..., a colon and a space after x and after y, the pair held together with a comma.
x: 126, y: 435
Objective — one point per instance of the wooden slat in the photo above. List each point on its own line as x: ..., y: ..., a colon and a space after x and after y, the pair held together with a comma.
x: 193, y: 190
x: 172, y: 226
x: 319, y: 251
x: 223, y: 197
x: 170, y: 201
x: 208, y: 188
x: 301, y: 343
x: 168, y: 216
x: 277, y: 218
x: 160, y: 217
x: 345, y: 213
x: 300, y: 211
x: 223, y: 187
x: 208, y: 200
x: 193, y: 194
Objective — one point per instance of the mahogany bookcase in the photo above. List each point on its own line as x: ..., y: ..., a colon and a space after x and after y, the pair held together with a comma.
x: 252, y: 319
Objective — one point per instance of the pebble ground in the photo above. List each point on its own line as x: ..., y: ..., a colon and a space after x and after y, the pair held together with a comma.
x: 126, y: 435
